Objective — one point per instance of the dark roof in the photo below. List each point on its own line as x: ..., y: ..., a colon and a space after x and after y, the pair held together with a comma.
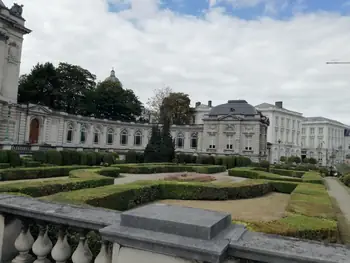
x: 234, y: 107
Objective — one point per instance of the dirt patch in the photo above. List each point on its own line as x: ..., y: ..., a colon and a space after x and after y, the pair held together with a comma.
x: 267, y: 208
x: 190, y: 177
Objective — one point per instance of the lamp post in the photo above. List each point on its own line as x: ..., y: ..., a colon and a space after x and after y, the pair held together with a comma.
x: 279, y: 151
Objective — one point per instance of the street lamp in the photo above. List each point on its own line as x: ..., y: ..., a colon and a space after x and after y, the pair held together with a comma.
x: 279, y: 150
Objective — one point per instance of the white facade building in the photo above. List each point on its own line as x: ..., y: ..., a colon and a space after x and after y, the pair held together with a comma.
x: 284, y: 131
x: 324, y: 140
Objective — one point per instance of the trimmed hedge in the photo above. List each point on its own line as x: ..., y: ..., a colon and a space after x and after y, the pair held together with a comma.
x: 313, y: 177
x: 68, y: 157
x: 78, y: 179
x: 284, y: 172
x: 4, y: 165
x: 38, y: 172
x: 310, y: 213
x: 168, y: 168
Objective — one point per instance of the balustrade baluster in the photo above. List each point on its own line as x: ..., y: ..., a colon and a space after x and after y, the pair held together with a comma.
x: 62, y: 251
x: 23, y: 244
x: 82, y: 253
x: 105, y: 255
x: 42, y: 246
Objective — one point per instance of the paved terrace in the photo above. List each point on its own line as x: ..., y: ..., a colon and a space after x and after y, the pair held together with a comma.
x: 153, y: 233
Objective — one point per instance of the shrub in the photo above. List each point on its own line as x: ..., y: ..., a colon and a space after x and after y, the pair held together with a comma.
x: 4, y: 157
x: 253, y: 174
x: 66, y: 157
x: 346, y: 179
x: 265, y: 164
x: 283, y: 159
x: 290, y: 173
x: 54, y: 157
x: 83, y: 159
x: 39, y: 156
x: 91, y: 158
x: 108, y: 158
x: 13, y: 158
x: 312, y: 161
x: 4, y: 165
x: 131, y: 157
x: 35, y: 173
x: 31, y: 163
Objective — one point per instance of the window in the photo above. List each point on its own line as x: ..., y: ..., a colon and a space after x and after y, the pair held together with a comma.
x: 320, y: 130
x: 194, y: 141
x: 97, y: 135
x: 312, y: 142
x: 180, y: 140
x: 229, y: 142
x: 83, y: 131
x: 110, y: 135
x: 312, y: 130
x: 293, y: 125
x: 138, y: 138
x: 277, y: 120
x: 293, y: 137
x: 303, y: 130
x: 124, y: 137
x: 248, y: 145
x: 298, y: 124
x: 70, y: 130
x: 288, y: 123
x: 282, y: 122
x: 212, y: 142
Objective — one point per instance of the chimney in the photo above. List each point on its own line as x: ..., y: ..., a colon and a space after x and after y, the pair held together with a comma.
x: 209, y: 103
x: 279, y: 104
x: 198, y: 103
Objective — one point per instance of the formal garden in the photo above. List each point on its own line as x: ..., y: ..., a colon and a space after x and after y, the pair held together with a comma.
x: 285, y: 199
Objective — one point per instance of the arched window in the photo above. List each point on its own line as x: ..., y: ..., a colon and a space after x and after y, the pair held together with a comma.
x: 194, y: 141
x: 124, y: 137
x: 110, y: 135
x: 97, y: 132
x: 70, y: 134
x: 138, y: 138
x: 83, y: 132
x: 180, y: 140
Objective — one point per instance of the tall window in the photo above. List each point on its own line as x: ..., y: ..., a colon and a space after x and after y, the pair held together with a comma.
x: 83, y: 132
x: 97, y: 135
x: 194, y: 141
x: 138, y: 138
x: 293, y: 137
x: 229, y: 144
x: 70, y: 130
x: 303, y: 131
x: 248, y: 145
x: 282, y: 122
x: 110, y: 135
x: 180, y: 140
x: 212, y: 142
x: 320, y: 130
x: 276, y: 121
x: 124, y: 137
x: 293, y: 125
x: 312, y: 131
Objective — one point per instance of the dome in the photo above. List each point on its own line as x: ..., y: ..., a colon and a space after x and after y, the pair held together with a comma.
x: 234, y: 107
x: 112, y: 77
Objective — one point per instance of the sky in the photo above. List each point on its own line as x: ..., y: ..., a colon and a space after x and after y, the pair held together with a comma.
x: 218, y: 50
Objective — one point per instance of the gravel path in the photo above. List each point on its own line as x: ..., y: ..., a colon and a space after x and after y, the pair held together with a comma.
x: 129, y: 178
x: 338, y: 191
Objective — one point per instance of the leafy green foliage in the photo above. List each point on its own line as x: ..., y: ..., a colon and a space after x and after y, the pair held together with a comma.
x: 176, y: 108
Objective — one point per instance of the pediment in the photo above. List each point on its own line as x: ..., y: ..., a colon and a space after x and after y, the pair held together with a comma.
x: 230, y: 117
x: 40, y: 109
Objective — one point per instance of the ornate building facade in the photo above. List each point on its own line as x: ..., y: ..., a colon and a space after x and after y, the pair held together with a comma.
x: 232, y: 128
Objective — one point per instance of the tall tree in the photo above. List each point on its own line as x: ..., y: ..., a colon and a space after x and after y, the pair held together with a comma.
x: 40, y: 86
x: 152, y: 151
x: 154, y: 103
x: 176, y: 108
x: 168, y: 143
x: 76, y: 83
x: 113, y: 102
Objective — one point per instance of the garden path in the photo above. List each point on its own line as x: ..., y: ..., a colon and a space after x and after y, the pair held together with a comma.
x: 338, y: 191
x: 130, y: 178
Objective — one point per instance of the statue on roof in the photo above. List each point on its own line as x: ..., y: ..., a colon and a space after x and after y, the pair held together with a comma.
x: 16, y: 10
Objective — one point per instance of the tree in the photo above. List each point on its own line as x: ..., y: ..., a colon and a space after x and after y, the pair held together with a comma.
x: 312, y: 160
x: 152, y: 150
x: 283, y: 158
x: 176, y: 108
x: 75, y: 85
x: 154, y: 103
x: 40, y: 86
x: 168, y: 144
x: 113, y: 102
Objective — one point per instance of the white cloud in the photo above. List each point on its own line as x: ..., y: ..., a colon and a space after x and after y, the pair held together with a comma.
x: 216, y: 58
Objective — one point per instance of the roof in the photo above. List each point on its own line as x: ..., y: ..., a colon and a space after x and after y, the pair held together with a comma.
x: 2, y: 4
x: 234, y: 107
x: 323, y: 119
x: 111, y: 77
x: 265, y: 105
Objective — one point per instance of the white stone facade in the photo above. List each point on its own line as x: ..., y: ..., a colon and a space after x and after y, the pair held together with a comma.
x: 284, y: 131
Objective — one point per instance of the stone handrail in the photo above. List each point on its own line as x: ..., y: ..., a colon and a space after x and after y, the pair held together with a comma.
x: 149, y: 234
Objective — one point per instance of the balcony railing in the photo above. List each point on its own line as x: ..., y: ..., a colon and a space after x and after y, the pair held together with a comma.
x: 153, y: 233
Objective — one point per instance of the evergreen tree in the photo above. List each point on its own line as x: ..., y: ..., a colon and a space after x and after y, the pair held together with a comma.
x: 152, y: 150
x: 168, y: 144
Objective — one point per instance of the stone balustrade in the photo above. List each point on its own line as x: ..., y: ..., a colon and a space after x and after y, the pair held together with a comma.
x: 155, y: 233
